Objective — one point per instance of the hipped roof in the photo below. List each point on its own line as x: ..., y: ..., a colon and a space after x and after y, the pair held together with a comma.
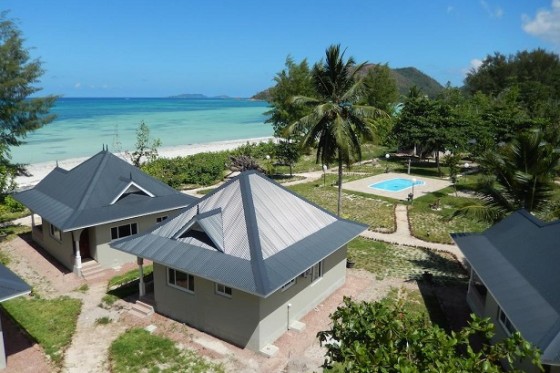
x: 100, y: 190
x: 11, y: 286
x: 518, y: 261
x: 257, y: 236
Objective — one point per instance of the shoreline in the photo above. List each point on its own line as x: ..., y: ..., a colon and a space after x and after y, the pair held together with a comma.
x: 38, y: 171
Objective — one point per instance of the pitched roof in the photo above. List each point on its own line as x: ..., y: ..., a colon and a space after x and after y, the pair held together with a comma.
x: 11, y: 286
x: 250, y: 234
x: 100, y: 190
x: 517, y: 259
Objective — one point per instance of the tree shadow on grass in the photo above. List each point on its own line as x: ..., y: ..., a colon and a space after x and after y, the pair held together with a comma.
x: 443, y: 286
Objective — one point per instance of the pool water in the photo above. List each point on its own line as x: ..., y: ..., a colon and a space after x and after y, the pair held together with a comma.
x: 395, y: 185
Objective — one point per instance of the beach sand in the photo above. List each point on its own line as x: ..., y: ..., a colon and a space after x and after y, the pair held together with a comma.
x: 38, y: 171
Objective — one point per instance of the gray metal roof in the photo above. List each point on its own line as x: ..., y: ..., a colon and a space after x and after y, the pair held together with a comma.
x: 517, y: 259
x: 11, y: 286
x: 269, y: 236
x: 100, y: 190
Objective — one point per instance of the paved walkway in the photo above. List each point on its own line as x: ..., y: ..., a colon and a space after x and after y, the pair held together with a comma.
x: 402, y: 236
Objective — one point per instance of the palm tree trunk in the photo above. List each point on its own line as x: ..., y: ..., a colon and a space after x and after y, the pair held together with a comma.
x: 339, y: 207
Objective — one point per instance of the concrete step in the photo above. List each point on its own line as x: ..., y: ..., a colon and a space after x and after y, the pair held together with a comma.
x: 141, y: 309
x: 92, y: 270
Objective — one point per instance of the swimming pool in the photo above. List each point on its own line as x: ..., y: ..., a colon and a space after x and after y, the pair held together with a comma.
x: 395, y: 185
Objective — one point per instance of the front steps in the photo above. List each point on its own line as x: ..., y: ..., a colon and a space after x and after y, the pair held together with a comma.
x: 91, y: 270
x: 141, y: 309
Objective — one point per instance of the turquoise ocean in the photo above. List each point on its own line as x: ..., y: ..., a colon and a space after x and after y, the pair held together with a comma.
x: 84, y: 125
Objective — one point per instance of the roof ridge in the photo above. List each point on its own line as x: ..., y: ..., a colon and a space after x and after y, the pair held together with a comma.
x: 262, y: 282
x: 91, y: 186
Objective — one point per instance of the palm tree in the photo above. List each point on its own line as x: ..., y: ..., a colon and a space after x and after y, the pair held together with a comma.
x: 337, y: 124
x: 521, y: 175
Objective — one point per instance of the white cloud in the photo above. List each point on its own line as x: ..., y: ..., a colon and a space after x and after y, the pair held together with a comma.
x: 473, y: 66
x: 545, y: 24
x: 494, y: 12
x: 77, y: 85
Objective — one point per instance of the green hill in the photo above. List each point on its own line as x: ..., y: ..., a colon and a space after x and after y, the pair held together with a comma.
x: 406, y: 78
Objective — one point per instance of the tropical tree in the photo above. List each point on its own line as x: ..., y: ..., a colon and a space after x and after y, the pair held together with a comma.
x: 380, y: 88
x: 519, y: 175
x: 535, y: 74
x: 382, y: 337
x: 294, y: 80
x: 431, y: 125
x: 19, y: 114
x: 146, y: 147
x: 336, y: 125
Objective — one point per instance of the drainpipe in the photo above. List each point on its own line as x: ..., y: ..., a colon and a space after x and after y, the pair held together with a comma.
x: 289, y: 306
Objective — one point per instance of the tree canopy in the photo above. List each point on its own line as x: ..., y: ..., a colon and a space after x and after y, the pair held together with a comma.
x: 294, y: 80
x: 19, y: 112
x: 337, y: 124
x: 382, y: 337
x: 535, y: 74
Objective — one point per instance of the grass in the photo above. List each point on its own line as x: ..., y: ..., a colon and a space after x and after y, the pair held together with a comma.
x: 139, y: 351
x: 103, y: 320
x: 82, y: 288
x: 370, y: 210
x: 408, y: 263
x: 9, y: 232
x: 129, y: 276
x: 51, y: 322
x: 435, y: 226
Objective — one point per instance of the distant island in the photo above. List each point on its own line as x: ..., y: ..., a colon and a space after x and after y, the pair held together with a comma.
x: 198, y: 95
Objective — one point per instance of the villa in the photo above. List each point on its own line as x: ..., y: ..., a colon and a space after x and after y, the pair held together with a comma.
x: 514, y: 281
x: 100, y: 200
x: 246, y: 261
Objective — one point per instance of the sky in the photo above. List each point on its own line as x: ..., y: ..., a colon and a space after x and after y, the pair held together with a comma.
x: 159, y: 48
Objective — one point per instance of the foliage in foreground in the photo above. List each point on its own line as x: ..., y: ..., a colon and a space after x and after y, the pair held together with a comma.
x: 377, y: 337
x: 138, y: 350
x: 51, y: 322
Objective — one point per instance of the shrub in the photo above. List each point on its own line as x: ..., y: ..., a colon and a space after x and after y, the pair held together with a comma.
x: 198, y: 169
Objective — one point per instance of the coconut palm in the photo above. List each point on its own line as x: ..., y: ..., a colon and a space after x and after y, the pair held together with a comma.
x: 521, y: 175
x: 337, y: 124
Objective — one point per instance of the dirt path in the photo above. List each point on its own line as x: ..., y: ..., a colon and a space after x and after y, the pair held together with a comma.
x: 90, y: 344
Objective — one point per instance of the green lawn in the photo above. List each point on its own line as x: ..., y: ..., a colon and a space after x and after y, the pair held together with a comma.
x: 375, y: 212
x: 139, y: 351
x: 51, y: 322
x: 132, y: 275
x: 435, y: 226
x: 407, y: 263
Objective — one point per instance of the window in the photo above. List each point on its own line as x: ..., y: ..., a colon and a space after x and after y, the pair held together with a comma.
x: 56, y: 233
x: 508, y: 326
x: 317, y: 271
x: 180, y: 280
x: 124, y: 231
x: 288, y: 284
x: 223, y: 290
x: 161, y: 218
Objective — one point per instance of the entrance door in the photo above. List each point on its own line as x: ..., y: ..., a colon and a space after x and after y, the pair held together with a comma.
x: 84, y: 244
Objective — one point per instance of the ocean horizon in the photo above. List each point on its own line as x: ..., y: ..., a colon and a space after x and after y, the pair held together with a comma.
x: 84, y: 125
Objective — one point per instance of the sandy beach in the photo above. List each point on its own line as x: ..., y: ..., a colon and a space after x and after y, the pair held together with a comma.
x: 38, y: 171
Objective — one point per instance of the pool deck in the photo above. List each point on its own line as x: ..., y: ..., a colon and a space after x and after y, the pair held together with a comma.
x: 430, y: 185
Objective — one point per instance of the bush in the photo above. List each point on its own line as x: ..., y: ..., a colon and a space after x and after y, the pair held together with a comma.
x: 199, y: 169
x: 13, y: 205
x: 256, y: 150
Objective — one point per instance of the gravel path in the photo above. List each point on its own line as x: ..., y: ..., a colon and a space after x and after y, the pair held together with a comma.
x: 90, y: 344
